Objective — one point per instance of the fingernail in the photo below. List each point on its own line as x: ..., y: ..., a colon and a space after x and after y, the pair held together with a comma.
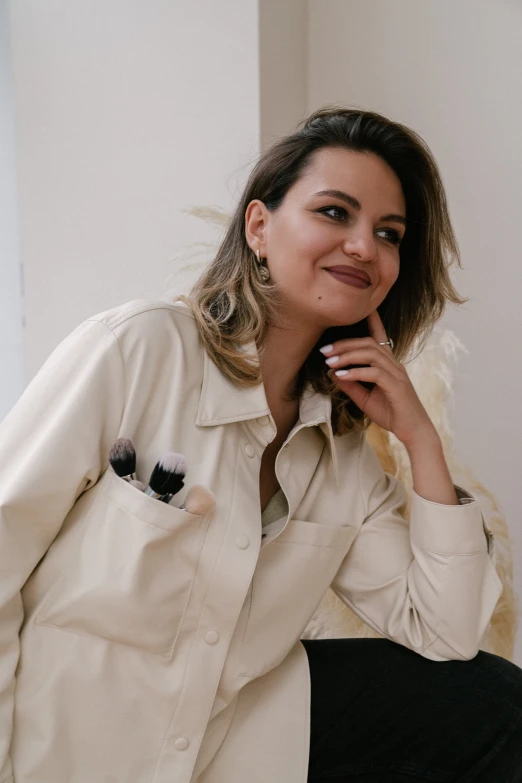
x: 342, y: 372
x: 332, y: 360
x: 326, y: 348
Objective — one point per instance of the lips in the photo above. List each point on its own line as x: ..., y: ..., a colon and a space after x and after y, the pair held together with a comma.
x: 350, y: 271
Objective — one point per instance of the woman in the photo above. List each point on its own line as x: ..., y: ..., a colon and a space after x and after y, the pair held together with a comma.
x: 142, y: 642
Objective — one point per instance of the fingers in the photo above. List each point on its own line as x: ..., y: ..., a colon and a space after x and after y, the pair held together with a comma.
x: 359, y: 342
x: 371, y: 355
x: 355, y: 391
x: 376, y: 327
x: 375, y: 375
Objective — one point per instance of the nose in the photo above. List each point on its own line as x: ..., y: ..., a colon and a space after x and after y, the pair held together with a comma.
x: 360, y: 244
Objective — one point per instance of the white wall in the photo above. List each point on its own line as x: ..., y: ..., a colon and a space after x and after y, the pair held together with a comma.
x: 283, y: 63
x: 12, y: 375
x: 127, y: 113
x: 453, y: 72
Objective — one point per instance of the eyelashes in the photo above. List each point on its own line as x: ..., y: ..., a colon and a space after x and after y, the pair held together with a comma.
x: 393, y: 236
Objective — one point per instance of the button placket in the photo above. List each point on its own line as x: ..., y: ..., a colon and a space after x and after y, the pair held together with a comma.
x: 262, y: 430
x: 250, y: 450
x: 211, y: 637
x: 242, y: 541
x: 215, y: 625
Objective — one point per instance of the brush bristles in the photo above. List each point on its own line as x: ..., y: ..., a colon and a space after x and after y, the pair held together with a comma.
x: 122, y: 457
x: 200, y: 500
x: 168, y: 474
x: 173, y: 462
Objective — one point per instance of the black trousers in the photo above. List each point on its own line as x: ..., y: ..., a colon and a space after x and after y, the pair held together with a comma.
x: 381, y: 713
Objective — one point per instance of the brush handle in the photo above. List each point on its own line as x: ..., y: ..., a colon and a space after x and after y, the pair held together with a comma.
x: 128, y: 477
x: 152, y: 494
x: 168, y: 497
x: 157, y: 496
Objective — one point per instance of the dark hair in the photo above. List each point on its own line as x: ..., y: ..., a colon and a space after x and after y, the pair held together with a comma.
x: 233, y: 305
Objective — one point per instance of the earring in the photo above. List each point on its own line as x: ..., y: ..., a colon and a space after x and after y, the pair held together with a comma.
x: 263, y: 271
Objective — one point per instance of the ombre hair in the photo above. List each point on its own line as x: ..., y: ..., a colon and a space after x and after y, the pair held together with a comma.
x: 233, y: 305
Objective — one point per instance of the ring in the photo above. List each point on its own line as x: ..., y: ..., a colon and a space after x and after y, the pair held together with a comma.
x: 388, y: 342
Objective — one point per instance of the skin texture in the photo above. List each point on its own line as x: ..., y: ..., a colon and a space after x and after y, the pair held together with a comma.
x: 299, y: 241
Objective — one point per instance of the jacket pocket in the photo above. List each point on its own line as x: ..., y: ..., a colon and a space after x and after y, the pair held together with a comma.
x: 292, y: 575
x: 130, y: 577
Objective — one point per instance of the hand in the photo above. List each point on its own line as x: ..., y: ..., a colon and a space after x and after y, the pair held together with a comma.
x: 393, y: 402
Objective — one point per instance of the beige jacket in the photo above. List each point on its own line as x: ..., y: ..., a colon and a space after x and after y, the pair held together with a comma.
x: 142, y: 644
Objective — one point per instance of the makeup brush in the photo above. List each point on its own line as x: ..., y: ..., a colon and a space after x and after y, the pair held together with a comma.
x: 199, y: 500
x: 122, y: 457
x: 167, y: 477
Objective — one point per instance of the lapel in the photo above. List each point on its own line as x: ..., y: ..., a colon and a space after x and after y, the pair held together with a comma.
x: 221, y: 402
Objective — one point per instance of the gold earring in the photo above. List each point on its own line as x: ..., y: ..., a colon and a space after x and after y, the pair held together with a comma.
x: 263, y: 271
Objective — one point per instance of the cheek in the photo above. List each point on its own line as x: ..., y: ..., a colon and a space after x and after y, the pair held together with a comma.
x: 390, y: 272
x: 303, y: 239
x: 289, y: 245
x: 388, y: 277
x: 298, y: 255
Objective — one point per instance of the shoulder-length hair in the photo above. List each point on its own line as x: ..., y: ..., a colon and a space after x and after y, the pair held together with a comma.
x: 233, y: 305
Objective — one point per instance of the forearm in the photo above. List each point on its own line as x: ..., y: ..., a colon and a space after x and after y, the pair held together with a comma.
x: 431, y: 477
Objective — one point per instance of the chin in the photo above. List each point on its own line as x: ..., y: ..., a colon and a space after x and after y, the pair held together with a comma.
x: 341, y: 316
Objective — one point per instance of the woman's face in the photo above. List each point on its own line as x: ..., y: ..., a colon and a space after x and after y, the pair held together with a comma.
x: 311, y: 240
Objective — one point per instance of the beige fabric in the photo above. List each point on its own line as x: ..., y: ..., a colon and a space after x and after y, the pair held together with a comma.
x: 151, y: 645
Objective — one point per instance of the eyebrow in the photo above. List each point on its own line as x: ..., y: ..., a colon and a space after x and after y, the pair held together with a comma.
x: 352, y: 201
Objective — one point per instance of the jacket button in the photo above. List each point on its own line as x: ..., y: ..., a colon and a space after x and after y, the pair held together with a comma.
x: 249, y: 450
x: 181, y: 743
x: 242, y: 542
x: 211, y: 637
x: 263, y: 420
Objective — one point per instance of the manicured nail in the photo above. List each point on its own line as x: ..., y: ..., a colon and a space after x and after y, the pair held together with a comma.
x: 332, y: 360
x: 342, y: 372
x: 326, y: 348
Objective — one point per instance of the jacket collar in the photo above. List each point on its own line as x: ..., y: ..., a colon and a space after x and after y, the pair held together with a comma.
x: 221, y: 402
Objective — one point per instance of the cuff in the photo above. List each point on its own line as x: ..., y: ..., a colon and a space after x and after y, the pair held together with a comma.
x: 450, y: 529
x: 465, y: 497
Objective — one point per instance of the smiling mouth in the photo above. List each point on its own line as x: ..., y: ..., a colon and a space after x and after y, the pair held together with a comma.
x: 348, y: 269
x: 348, y: 279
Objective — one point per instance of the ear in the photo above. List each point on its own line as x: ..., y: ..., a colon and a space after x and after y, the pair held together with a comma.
x: 256, y: 220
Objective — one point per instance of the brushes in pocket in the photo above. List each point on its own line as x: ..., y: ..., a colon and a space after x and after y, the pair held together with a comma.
x: 167, y: 477
x: 122, y: 457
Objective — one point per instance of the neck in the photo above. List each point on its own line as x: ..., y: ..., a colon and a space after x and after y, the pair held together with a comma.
x: 284, y: 352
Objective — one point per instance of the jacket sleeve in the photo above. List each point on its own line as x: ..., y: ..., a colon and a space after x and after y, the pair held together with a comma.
x: 53, y: 445
x: 430, y: 585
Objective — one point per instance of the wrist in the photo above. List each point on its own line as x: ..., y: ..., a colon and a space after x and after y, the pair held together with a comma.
x: 425, y: 440
x: 429, y: 470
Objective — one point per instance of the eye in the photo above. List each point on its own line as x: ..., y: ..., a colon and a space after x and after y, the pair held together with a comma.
x: 339, y: 210
x: 392, y: 236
